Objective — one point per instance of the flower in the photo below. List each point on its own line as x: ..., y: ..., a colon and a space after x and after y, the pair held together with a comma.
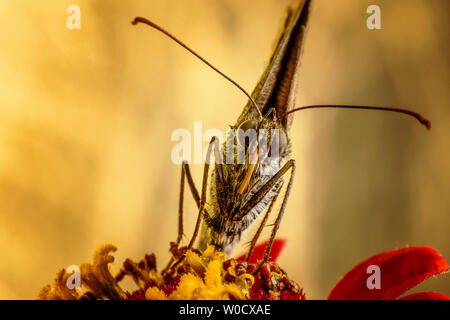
x: 401, y: 270
x: 202, y: 276
x: 211, y: 275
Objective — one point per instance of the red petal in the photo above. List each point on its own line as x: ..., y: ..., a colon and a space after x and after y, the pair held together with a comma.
x: 260, y: 249
x: 425, y: 296
x: 256, y: 292
x: 401, y: 269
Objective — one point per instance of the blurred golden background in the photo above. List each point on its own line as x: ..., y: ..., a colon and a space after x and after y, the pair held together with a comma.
x: 86, y: 118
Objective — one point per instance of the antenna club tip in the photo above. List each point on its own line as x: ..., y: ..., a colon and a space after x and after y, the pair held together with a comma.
x: 136, y: 20
x: 425, y: 122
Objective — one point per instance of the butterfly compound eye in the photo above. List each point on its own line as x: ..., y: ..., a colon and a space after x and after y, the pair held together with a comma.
x: 249, y: 124
x: 247, y: 132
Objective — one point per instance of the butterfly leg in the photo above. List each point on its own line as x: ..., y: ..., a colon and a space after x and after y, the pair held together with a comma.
x: 262, y: 225
x: 257, y: 198
x: 185, y: 175
x: 214, y: 142
x: 289, y: 165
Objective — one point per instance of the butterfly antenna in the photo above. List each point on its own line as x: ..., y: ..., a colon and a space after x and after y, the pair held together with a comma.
x: 155, y: 26
x: 413, y: 114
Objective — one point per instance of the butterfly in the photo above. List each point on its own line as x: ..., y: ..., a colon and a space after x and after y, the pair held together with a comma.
x: 253, y: 163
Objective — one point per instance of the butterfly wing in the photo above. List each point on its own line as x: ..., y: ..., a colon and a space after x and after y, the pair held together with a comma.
x: 278, y: 84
